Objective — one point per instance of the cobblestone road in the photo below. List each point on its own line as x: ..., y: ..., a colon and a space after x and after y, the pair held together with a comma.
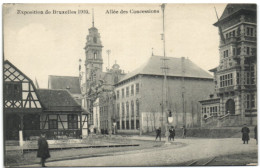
x: 195, y: 149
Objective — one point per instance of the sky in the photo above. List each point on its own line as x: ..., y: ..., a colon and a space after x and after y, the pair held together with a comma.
x: 51, y: 44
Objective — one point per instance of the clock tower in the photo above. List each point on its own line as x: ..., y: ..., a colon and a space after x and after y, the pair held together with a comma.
x: 93, y: 51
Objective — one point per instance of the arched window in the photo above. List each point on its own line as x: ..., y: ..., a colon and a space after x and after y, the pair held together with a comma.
x: 95, y: 39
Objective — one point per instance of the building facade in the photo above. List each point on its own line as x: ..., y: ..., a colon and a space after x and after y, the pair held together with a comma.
x: 235, y: 77
x: 29, y: 111
x: 139, y: 95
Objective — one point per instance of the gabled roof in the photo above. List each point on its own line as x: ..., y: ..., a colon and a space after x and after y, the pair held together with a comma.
x: 70, y: 83
x: 58, y: 100
x: 235, y: 8
x: 154, y: 64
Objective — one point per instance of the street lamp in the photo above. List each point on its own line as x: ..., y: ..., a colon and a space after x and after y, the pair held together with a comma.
x: 169, y: 121
x: 114, y: 125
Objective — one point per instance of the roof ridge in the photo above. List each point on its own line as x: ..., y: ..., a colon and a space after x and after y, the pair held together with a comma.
x: 53, y: 89
x: 62, y: 76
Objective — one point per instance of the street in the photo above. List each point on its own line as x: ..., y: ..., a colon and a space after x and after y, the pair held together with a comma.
x: 167, y: 156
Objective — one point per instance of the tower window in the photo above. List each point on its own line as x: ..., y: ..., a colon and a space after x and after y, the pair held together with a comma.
x: 95, y: 39
x: 95, y: 55
x: 249, y: 31
x: 247, y: 50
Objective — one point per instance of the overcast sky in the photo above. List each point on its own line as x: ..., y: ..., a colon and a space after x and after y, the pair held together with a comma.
x: 51, y: 44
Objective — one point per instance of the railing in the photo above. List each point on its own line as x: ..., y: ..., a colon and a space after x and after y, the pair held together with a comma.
x: 224, y: 116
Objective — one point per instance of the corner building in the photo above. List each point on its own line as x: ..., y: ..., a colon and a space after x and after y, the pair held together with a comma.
x: 235, y: 77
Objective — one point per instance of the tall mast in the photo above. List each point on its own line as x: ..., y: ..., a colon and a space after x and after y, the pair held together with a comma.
x: 93, y: 18
x: 164, y: 68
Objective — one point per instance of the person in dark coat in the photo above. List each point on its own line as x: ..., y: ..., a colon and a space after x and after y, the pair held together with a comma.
x: 158, y: 133
x: 172, y: 133
x: 43, y: 149
x: 184, y: 131
x: 245, y: 134
x: 255, y: 133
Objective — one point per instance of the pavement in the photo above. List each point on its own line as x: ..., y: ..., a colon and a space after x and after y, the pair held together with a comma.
x: 168, y: 156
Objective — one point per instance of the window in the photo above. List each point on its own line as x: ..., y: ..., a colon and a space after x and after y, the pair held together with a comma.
x: 127, y: 109
x: 226, y: 80
x: 249, y: 31
x: 137, y: 107
x: 13, y: 91
x: 253, y: 51
x: 137, y: 88
x: 73, y: 121
x: 123, y: 93
x: 234, y: 51
x: 252, y: 101
x: 132, y: 108
x: 118, y: 110
x: 123, y: 110
x: 95, y: 55
x: 238, y: 51
x: 127, y: 91
x: 117, y: 94
x: 95, y: 39
x: 238, y: 77
x: 252, y: 71
x: 247, y: 50
x: 248, y: 101
x: 132, y: 90
x: 225, y: 53
x: 53, y: 124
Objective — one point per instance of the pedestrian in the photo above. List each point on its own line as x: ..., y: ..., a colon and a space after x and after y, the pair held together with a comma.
x: 255, y: 133
x: 245, y: 134
x: 184, y: 131
x: 172, y: 133
x: 158, y: 133
x: 43, y: 149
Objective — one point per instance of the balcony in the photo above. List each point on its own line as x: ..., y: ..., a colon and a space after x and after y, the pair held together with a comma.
x: 228, y: 41
x: 226, y: 89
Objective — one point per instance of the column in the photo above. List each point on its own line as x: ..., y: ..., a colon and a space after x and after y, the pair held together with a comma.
x: 21, y: 131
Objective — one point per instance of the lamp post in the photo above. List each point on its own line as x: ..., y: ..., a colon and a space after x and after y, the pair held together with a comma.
x: 164, y: 95
x: 114, y: 126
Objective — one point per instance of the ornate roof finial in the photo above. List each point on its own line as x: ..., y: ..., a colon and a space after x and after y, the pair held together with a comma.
x: 93, y: 17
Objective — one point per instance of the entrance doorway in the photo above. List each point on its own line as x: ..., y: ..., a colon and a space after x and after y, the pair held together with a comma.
x: 12, y: 126
x: 230, y: 106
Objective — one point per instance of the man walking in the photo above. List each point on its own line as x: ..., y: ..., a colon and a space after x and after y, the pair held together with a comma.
x: 245, y: 134
x: 172, y: 133
x: 158, y: 133
x: 43, y: 149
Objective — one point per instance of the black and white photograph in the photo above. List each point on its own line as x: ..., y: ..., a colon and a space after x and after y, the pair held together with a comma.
x: 129, y: 84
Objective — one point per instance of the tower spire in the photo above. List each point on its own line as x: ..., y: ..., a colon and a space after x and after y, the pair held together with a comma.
x: 93, y: 17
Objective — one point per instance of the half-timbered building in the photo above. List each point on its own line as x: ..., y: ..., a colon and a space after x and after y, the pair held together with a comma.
x: 29, y: 111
